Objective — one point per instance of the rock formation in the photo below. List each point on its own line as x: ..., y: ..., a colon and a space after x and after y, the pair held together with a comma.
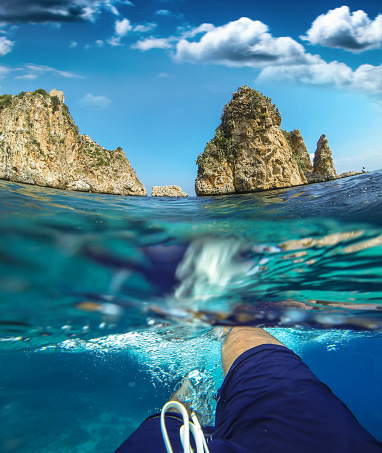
x: 249, y: 152
x: 347, y: 174
x: 323, y: 166
x: 299, y: 151
x: 167, y: 191
x: 40, y: 144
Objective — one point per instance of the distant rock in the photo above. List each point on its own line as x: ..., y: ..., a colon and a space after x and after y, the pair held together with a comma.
x: 40, y: 144
x: 299, y: 151
x: 346, y: 174
x: 249, y: 152
x: 167, y: 191
x: 323, y: 165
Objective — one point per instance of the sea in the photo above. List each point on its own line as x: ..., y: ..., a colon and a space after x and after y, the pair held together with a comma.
x: 108, y: 302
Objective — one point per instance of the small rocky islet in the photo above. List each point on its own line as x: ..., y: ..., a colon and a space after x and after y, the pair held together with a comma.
x: 40, y: 144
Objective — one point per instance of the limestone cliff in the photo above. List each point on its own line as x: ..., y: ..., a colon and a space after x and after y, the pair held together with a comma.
x: 40, y: 144
x: 249, y: 152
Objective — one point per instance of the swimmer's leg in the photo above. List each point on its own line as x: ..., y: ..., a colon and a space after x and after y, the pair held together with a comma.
x: 241, y: 339
x: 271, y: 401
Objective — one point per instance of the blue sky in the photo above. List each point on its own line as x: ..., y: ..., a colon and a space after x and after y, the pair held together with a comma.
x: 153, y: 76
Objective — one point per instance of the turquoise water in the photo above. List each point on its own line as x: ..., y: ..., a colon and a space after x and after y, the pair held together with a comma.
x: 107, y: 302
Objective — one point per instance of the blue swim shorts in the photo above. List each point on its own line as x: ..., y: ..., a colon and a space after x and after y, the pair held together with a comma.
x: 270, y: 402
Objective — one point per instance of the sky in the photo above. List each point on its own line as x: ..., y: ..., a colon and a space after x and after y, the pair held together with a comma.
x: 153, y: 76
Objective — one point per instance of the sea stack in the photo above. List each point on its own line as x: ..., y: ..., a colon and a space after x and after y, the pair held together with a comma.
x: 298, y: 147
x: 40, y: 144
x: 323, y: 166
x: 249, y: 152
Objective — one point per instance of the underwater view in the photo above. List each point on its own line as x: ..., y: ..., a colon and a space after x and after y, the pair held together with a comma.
x: 107, y: 302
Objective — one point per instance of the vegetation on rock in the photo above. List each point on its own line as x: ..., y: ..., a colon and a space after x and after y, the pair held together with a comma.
x: 41, y: 144
x: 250, y: 153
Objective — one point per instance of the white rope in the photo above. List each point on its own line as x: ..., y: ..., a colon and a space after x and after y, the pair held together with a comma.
x: 187, y: 427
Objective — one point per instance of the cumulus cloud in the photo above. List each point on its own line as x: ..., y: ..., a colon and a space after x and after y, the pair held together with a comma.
x: 154, y: 43
x: 98, y: 102
x: 124, y: 26
x: 37, y: 11
x: 5, y: 46
x: 321, y: 73
x: 243, y: 42
x: 192, y: 32
x: 340, y: 28
x: 121, y: 29
x: 366, y: 78
x: 144, y: 28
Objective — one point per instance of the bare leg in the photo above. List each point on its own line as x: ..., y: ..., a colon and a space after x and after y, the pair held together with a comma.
x: 240, y: 339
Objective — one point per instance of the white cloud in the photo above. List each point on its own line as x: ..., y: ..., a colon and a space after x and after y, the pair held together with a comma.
x: 99, y: 102
x: 73, y: 44
x: 122, y: 27
x: 37, y: 70
x: 167, y: 13
x: 144, y: 28
x: 4, y: 71
x: 365, y: 78
x: 192, y: 32
x: 163, y: 12
x: 248, y: 43
x: 163, y: 75
x: 321, y: 73
x: 114, y: 41
x: 154, y: 43
x: 340, y: 28
x: 99, y: 43
x: 112, y: 8
x: 5, y: 46
x: 29, y: 76
x: 243, y: 42
x: 368, y: 78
